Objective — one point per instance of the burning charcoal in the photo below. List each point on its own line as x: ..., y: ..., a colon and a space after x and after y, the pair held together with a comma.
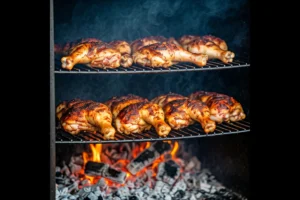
x: 130, y: 184
x: 104, y: 170
x: 167, y: 156
x: 198, y: 195
x: 148, y: 156
x: 158, y: 186
x: 73, y: 187
x: 179, y: 185
x: 179, y: 194
x: 91, y: 196
x: 154, y: 196
x: 73, y: 197
x: 166, y: 189
x: 124, y: 191
x: 102, y: 184
x: 75, y: 169
x: 189, y: 180
x: 193, y: 197
x: 65, y: 170
x: 180, y: 162
x: 167, y: 197
x: 84, y: 183
x: 133, y: 198
x: 78, y: 160
x: 168, y: 172
x: 194, y: 164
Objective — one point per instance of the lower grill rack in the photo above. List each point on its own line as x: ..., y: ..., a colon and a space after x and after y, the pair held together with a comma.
x: 193, y: 131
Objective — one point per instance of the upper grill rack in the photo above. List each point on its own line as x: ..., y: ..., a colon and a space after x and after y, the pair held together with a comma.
x: 193, y: 131
x: 136, y: 69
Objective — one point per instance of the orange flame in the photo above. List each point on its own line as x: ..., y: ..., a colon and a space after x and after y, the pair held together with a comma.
x: 174, y: 150
x: 95, y: 156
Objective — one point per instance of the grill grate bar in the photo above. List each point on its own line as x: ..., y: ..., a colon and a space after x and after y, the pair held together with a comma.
x: 193, y: 131
x: 179, y: 67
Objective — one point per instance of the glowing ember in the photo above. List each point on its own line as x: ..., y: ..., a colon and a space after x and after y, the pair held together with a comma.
x: 163, y: 174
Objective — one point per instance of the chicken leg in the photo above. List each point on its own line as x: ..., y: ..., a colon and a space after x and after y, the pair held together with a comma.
x: 124, y: 48
x: 166, y: 54
x: 184, y: 112
x: 85, y: 115
x: 222, y: 107
x: 93, y: 54
x: 212, y: 46
x: 139, y: 117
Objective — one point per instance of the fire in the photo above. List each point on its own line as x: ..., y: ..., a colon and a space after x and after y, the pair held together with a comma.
x: 96, y: 157
x: 97, y: 153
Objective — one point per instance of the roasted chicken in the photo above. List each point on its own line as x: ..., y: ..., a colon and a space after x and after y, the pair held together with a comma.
x: 162, y: 100
x: 139, y: 43
x: 166, y: 54
x: 95, y: 53
x: 124, y: 48
x: 65, y: 48
x: 139, y: 117
x: 212, y: 46
x: 222, y: 107
x: 85, y: 115
x: 181, y: 112
x: 116, y: 104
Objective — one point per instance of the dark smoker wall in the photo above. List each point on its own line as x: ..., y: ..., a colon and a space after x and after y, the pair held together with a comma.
x: 132, y: 19
x: 233, y: 82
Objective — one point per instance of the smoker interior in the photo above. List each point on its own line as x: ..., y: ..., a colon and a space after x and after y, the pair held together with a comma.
x: 226, y: 156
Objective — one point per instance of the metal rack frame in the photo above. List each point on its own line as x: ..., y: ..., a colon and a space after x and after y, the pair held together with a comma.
x: 194, y: 131
x: 190, y: 132
x: 136, y: 69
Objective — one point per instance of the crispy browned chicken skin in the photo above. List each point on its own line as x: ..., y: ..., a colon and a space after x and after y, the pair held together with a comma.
x: 85, y: 115
x: 116, y: 104
x: 162, y: 100
x: 95, y: 53
x: 139, y: 43
x: 212, y: 46
x: 65, y: 48
x: 222, y: 107
x: 139, y: 117
x: 166, y: 54
x: 124, y: 48
x: 181, y: 112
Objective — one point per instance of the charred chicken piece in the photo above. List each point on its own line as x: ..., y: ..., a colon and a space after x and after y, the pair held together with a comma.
x: 139, y: 43
x: 124, y: 48
x: 162, y: 100
x: 222, y: 107
x: 212, y: 46
x: 116, y: 104
x: 65, y: 49
x: 166, y: 54
x: 85, y: 115
x: 139, y: 117
x: 181, y: 112
x: 93, y: 54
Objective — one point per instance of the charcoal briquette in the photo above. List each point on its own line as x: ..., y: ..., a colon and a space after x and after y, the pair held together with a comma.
x: 133, y: 198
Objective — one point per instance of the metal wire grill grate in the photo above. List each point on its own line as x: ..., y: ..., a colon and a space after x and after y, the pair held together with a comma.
x: 182, y: 67
x: 193, y: 131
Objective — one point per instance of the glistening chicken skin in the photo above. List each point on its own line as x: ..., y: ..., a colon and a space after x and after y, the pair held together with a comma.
x: 85, y: 115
